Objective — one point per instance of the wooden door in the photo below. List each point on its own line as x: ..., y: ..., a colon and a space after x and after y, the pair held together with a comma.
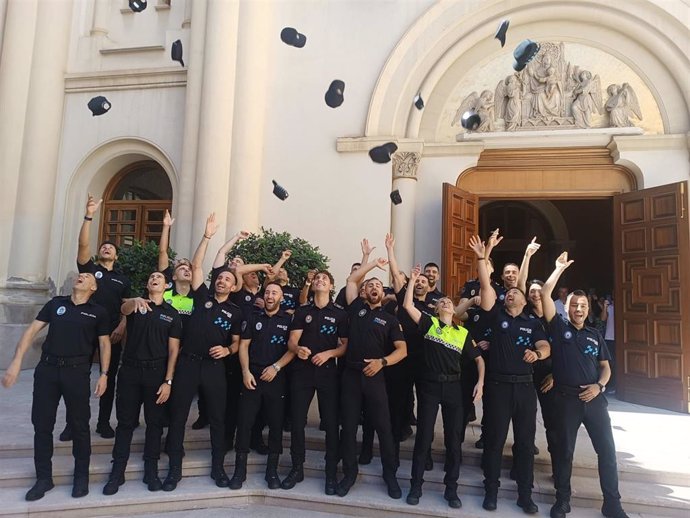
x: 126, y: 222
x: 652, y: 296
x: 460, y: 222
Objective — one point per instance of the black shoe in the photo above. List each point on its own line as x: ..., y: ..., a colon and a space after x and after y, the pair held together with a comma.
x: 272, y: 471
x: 331, y: 485
x: 113, y: 485
x: 105, y: 430
x: 479, y: 444
x: 174, y: 476
x: 80, y: 487
x: 66, y: 434
x: 218, y: 474
x: 240, y: 474
x: 394, y: 490
x: 345, y: 485
x: 429, y: 462
x: 406, y: 433
x: 296, y: 475
x: 536, y: 450
x: 39, y: 489
x: 527, y: 505
x: 613, y: 510
x: 365, y: 457
x: 451, y: 496
x: 560, y: 509
x: 151, y: 479
x: 200, y: 423
x: 490, y: 501
x: 414, y: 495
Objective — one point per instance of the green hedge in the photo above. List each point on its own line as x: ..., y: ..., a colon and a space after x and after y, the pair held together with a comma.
x: 138, y: 261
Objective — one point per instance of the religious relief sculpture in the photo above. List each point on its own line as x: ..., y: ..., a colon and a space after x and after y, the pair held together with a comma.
x: 482, y: 104
x: 587, y: 93
x: 622, y: 103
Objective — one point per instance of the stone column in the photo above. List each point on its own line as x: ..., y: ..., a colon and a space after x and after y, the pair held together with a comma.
x: 3, y: 13
x: 101, y: 10
x: 405, y: 164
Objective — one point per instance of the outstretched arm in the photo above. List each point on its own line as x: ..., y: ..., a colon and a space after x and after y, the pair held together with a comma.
x: 486, y: 291
x: 464, y: 305
x: 531, y: 249
x: 547, y: 303
x: 163, y: 259
x: 356, y: 277
x: 279, y: 264
x: 12, y: 372
x: 83, y: 253
x: 408, y: 303
x: 398, y: 282
x: 197, y: 261
x: 223, y: 250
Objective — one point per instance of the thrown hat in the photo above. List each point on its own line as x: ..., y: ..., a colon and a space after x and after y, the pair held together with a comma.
x: 418, y: 101
x: 137, y: 5
x: 334, y: 95
x: 382, y: 154
x: 99, y: 105
x: 470, y: 120
x: 396, y: 198
x: 176, y: 52
x: 524, y: 53
x: 291, y: 37
x: 501, y: 32
x: 279, y: 191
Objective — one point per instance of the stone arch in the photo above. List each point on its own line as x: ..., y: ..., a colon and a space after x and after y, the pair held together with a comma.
x: 654, y: 39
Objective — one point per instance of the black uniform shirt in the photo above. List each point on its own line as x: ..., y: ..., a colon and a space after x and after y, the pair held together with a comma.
x: 212, y: 323
x: 148, y: 333
x: 576, y: 353
x: 413, y: 336
x: 269, y: 338
x: 73, y: 330
x: 444, y: 349
x: 510, y: 336
x: 372, y: 332
x: 290, y: 298
x: 433, y: 297
x: 475, y: 324
x: 321, y: 328
x: 541, y: 367
x: 245, y: 299
x: 112, y: 288
x: 340, y: 299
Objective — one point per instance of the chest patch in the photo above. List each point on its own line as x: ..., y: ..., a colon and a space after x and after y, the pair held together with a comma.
x: 258, y: 326
x: 380, y: 321
x: 247, y: 298
x: 166, y: 318
x: 505, y: 324
x: 362, y: 312
x: 307, y: 319
x: 98, y: 275
x: 568, y: 335
x: 208, y: 304
x: 61, y: 310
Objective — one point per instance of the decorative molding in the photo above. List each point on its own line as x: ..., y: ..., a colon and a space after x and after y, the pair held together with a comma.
x: 624, y: 143
x: 405, y: 164
x: 138, y: 48
x: 364, y: 144
x: 126, y: 79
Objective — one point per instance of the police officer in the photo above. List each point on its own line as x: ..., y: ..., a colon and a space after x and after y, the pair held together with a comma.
x: 375, y: 341
x: 113, y: 288
x: 318, y: 335
x: 263, y: 356
x: 75, y: 322
x: 154, y: 329
x: 433, y: 273
x: 212, y: 333
x: 517, y: 341
x: 439, y: 384
x: 581, y: 370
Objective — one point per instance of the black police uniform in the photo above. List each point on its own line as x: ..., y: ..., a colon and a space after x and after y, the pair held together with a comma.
x: 372, y: 333
x: 64, y: 371
x: 321, y: 328
x: 509, y: 395
x: 144, y: 365
x: 576, y: 355
x: 438, y: 383
x: 290, y: 300
x: 212, y: 323
x: 542, y: 368
x: 112, y: 288
x: 434, y: 296
x: 269, y: 338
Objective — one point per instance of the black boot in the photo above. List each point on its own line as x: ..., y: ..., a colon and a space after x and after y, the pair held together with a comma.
x: 392, y: 485
x: 415, y: 494
x: 296, y: 475
x: 80, y: 488
x: 66, y: 434
x: 272, y: 471
x: 490, y: 499
x: 240, y: 474
x: 174, y: 475
x: 344, y: 486
x: 451, y: 496
x: 218, y: 473
x: 105, y: 430
x: 151, y: 475
x: 116, y: 479
x: 39, y: 489
x: 331, y: 480
x: 527, y: 504
x: 560, y: 509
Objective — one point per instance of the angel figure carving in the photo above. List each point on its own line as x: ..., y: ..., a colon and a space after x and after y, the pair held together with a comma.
x: 621, y: 105
x: 482, y: 104
x: 508, y: 100
x: 587, y: 94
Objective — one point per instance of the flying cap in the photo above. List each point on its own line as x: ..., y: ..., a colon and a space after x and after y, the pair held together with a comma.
x: 279, y: 191
x: 176, y: 52
x: 418, y: 101
x: 524, y: 53
x: 470, y: 120
x: 291, y: 37
x: 501, y: 32
x: 396, y: 198
x: 334, y: 95
x: 99, y: 105
x: 137, y: 5
x: 382, y: 154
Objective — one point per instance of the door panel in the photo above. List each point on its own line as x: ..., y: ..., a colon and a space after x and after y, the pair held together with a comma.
x: 460, y: 222
x: 652, y: 311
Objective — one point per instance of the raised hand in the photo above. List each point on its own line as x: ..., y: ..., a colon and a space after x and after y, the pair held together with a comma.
x: 390, y: 241
x: 562, y: 261
x: 415, y: 272
x: 286, y: 255
x: 494, y: 239
x: 310, y: 275
x: 168, y: 220
x: 532, y: 247
x: 211, y: 225
x: 381, y: 263
x: 366, y: 247
x: 242, y: 234
x: 478, y: 246
x: 92, y: 205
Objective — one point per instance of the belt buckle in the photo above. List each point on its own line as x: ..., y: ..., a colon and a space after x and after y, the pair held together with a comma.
x: 514, y: 378
x: 60, y: 362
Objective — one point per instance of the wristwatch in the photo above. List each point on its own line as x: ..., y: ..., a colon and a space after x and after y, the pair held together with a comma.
x: 168, y: 382
x: 104, y: 373
x: 602, y: 388
x: 276, y: 367
x: 384, y: 362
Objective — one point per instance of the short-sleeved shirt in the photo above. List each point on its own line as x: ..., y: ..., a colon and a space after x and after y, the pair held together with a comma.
x: 510, y: 337
x: 434, y: 296
x: 541, y: 367
x: 74, y: 329
x: 269, y: 338
x: 340, y: 298
x: 576, y: 353
x: 148, y: 333
x: 372, y: 332
x: 321, y: 329
x: 413, y: 336
x: 290, y: 300
x: 245, y: 299
x: 445, y: 347
x: 475, y: 324
x: 212, y: 323
x: 184, y: 304
x: 112, y: 288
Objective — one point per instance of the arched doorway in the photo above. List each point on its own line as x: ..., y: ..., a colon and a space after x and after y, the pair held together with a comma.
x: 134, y: 204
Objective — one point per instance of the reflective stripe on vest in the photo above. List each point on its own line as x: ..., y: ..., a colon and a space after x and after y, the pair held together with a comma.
x: 448, y: 336
x: 182, y: 303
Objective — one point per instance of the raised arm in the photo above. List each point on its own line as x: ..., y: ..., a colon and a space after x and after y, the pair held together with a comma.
x: 464, y: 305
x: 487, y: 293
x: 279, y: 264
x: 163, y: 259
x: 531, y: 249
x: 304, y: 293
x: 547, y: 304
x: 83, y: 253
x: 222, y: 253
x: 12, y: 372
x: 408, y: 303
x: 356, y: 277
x: 197, y: 261
x: 393, y: 264
x: 367, y: 249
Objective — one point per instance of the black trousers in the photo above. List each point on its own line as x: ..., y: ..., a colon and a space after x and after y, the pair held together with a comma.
x: 74, y: 385
x: 431, y: 395
x: 570, y: 413
x: 358, y: 390
x: 268, y: 397
x: 468, y: 379
x: 137, y: 386
x: 234, y: 385
x: 191, y: 376
x: 105, y: 403
x: 306, y: 380
x: 504, y: 402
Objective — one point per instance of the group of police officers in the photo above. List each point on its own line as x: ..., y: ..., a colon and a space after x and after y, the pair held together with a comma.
x: 255, y: 354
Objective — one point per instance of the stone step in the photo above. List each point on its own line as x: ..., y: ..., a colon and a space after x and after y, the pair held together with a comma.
x: 642, y: 497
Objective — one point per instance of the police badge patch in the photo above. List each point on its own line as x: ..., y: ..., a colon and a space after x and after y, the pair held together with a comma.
x: 567, y: 335
x: 61, y: 310
x: 307, y: 319
x: 98, y: 275
x: 362, y: 312
x: 247, y: 298
x: 208, y: 304
x: 504, y: 324
x: 258, y: 326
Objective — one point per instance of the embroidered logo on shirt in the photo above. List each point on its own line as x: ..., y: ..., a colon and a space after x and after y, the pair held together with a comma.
x: 591, y: 350
x: 167, y: 318
x: 380, y: 321
x: 307, y: 319
x: 362, y: 312
x: 472, y: 293
x: 248, y: 298
x: 330, y: 319
x: 567, y: 335
x: 98, y: 275
x: 278, y: 339
x: 476, y: 318
x: 327, y: 330
x: 208, y: 304
x: 501, y: 296
x: 224, y: 324
x: 259, y: 325
x: 504, y: 324
x: 61, y: 310
x: 526, y: 330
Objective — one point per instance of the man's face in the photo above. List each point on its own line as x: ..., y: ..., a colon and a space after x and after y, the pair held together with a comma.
x: 272, y: 297
x: 510, y: 275
x: 251, y: 280
x: 224, y: 283
x: 321, y: 283
x: 373, y: 291
x: 282, y: 276
x: 156, y: 283
x: 85, y: 282
x: 432, y: 274
x: 578, y: 309
x: 235, y: 262
x: 534, y: 294
x: 444, y: 305
x: 515, y: 299
x: 563, y: 293
x: 107, y: 252
x: 421, y: 286
x: 183, y: 273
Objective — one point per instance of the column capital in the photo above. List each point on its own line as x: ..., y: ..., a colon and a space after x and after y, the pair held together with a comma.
x: 405, y: 164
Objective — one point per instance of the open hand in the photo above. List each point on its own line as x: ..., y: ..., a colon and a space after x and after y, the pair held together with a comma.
x: 168, y: 220
x: 532, y: 247
x: 163, y: 393
x: 92, y: 205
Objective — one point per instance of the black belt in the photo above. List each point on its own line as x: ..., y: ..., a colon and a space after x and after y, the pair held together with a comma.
x: 65, y: 361
x: 440, y: 378
x: 511, y: 378
x: 145, y: 364
x: 569, y: 390
x: 197, y: 357
x: 355, y: 365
